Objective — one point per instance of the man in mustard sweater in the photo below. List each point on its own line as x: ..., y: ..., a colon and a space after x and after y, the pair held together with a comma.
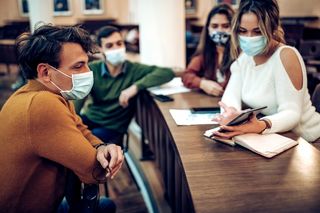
x: 40, y: 133
x: 116, y: 83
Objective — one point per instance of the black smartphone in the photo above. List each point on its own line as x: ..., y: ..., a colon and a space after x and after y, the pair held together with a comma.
x: 163, y: 98
x: 212, y: 110
x: 243, y: 117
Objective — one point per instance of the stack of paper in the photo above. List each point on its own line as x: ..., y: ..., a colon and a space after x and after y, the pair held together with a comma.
x: 172, y: 87
x: 186, y: 117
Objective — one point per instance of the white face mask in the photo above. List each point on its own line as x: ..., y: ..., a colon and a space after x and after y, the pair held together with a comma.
x: 81, y: 85
x: 116, y: 57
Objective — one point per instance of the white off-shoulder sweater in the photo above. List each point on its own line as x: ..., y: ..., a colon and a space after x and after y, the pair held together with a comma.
x: 269, y: 85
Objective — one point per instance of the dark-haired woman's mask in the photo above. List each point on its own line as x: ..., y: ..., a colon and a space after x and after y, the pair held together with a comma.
x: 220, y: 38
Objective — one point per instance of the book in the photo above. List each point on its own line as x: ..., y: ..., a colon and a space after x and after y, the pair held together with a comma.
x: 268, y: 145
x: 209, y: 134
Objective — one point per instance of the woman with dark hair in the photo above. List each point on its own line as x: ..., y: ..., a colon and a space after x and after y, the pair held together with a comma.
x: 266, y: 73
x: 209, y: 67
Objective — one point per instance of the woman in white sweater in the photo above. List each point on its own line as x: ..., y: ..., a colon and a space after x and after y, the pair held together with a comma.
x: 266, y: 73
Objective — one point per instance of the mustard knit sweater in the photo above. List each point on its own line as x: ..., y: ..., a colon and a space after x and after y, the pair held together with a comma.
x: 41, y: 136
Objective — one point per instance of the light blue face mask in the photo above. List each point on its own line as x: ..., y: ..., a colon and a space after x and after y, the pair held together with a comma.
x: 81, y: 85
x: 252, y: 46
x: 116, y: 56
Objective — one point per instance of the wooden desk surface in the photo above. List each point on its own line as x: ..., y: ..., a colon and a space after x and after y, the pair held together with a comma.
x: 222, y: 178
x: 313, y: 25
x: 7, y: 41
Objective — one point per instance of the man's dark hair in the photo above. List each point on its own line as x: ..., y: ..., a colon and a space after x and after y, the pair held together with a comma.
x: 105, y: 32
x: 44, y: 46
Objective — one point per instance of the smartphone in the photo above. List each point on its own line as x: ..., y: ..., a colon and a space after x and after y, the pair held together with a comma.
x: 212, y: 110
x: 244, y: 116
x: 163, y: 98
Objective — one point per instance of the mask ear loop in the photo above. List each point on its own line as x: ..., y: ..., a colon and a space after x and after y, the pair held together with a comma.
x: 56, y: 85
x: 59, y: 71
x: 64, y: 75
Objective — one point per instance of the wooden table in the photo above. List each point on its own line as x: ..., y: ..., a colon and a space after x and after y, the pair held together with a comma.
x: 314, y: 24
x: 7, y: 41
x: 205, y: 176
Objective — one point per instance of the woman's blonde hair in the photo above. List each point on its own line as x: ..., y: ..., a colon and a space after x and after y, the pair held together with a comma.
x: 267, y: 12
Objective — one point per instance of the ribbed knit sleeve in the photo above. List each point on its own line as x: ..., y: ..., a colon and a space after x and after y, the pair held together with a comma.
x: 289, y: 99
x: 191, y: 77
x: 232, y: 94
x: 148, y: 76
x: 93, y: 140
x: 57, y: 134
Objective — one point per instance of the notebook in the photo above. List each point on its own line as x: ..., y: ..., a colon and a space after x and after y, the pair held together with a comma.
x: 268, y: 145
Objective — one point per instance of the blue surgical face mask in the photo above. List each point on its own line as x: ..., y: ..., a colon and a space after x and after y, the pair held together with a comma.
x: 81, y: 85
x: 115, y: 57
x: 252, y: 46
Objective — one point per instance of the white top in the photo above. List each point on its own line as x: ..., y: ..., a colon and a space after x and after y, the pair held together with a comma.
x: 269, y: 85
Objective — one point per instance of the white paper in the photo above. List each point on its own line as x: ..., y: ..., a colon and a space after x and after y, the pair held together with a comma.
x: 185, y: 117
x: 172, y: 87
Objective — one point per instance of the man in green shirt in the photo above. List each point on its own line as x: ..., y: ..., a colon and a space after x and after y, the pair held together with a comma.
x: 116, y: 84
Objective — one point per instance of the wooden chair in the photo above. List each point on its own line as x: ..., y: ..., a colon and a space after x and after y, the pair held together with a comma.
x: 310, y: 52
x: 77, y: 192
x: 123, y: 142
x: 8, y: 55
x: 293, y: 33
x: 316, y: 103
x: 316, y: 98
x: 310, y: 49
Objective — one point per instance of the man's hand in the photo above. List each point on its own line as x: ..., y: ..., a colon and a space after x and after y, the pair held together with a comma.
x: 127, y: 94
x: 211, y: 87
x: 110, y: 158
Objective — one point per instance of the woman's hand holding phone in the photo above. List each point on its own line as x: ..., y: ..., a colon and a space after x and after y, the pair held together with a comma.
x: 226, y: 120
x: 253, y: 125
x: 229, y: 113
